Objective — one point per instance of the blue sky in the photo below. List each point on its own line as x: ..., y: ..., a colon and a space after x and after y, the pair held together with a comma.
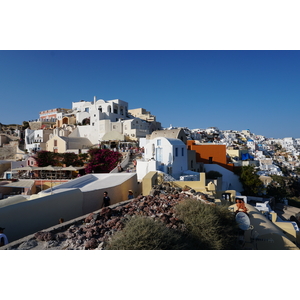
x: 256, y: 90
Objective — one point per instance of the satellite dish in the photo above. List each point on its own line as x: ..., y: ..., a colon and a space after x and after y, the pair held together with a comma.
x: 243, y: 220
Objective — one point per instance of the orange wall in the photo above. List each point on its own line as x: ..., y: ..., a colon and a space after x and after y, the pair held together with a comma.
x: 215, y: 151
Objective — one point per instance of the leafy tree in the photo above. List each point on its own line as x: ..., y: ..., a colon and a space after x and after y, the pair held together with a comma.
x: 25, y: 125
x: 83, y: 157
x: 283, y: 186
x: 102, y: 160
x: 46, y: 158
x: 277, y: 192
x: 252, y: 185
x: 71, y: 159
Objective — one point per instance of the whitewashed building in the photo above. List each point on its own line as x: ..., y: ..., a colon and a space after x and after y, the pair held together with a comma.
x: 99, y: 118
x: 163, y: 154
x: 35, y: 140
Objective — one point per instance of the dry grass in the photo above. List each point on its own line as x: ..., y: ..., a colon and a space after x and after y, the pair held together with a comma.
x: 144, y: 233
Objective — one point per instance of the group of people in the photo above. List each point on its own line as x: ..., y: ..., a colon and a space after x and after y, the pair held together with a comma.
x: 106, y: 198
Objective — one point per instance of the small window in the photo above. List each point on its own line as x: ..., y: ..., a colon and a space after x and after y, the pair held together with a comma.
x: 158, y: 142
x: 55, y: 143
x: 182, y: 151
x: 176, y: 151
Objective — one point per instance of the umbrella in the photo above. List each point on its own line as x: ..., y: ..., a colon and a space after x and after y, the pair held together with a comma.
x: 24, y: 169
x: 48, y: 168
x: 71, y: 168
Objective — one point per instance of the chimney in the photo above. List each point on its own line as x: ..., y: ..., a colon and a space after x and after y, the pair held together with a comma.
x: 95, y: 99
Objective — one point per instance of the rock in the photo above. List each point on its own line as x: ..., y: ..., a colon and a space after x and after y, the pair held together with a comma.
x: 89, y: 218
x: 28, y: 245
x: 91, y: 244
x: 51, y: 244
x: 44, y: 236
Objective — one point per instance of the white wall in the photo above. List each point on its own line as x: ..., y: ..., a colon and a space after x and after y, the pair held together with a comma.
x: 229, y: 179
x: 27, y: 217
x: 68, y: 201
x: 164, y: 155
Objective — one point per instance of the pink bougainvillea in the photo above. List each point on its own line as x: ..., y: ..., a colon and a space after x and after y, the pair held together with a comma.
x: 102, y: 160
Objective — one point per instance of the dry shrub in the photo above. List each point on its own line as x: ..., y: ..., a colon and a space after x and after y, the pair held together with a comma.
x: 209, y: 227
x: 144, y: 233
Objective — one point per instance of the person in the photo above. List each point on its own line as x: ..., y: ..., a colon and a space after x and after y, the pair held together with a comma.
x: 3, y: 237
x: 130, y: 194
x: 119, y: 167
x: 106, y: 200
x: 240, y: 206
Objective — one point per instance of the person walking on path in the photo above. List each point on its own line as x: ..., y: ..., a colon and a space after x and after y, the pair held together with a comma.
x: 106, y: 200
x: 130, y: 194
x: 3, y: 237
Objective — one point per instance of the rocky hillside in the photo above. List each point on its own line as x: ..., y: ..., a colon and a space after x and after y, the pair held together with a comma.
x: 95, y: 230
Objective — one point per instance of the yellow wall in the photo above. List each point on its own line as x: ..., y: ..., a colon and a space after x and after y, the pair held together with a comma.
x: 148, y: 181
x: 61, y: 145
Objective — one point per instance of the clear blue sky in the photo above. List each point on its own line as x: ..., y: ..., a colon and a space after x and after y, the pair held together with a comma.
x: 256, y: 90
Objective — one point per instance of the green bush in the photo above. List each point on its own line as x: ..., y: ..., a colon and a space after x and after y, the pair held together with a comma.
x: 209, y: 227
x: 142, y: 233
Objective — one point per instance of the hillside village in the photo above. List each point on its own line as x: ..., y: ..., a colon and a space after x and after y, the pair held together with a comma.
x: 200, y: 163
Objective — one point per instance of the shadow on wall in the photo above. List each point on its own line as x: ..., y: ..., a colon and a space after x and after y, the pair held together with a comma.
x: 45, y: 209
x: 27, y: 217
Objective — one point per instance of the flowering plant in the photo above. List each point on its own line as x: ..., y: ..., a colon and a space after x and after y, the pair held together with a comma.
x: 102, y: 160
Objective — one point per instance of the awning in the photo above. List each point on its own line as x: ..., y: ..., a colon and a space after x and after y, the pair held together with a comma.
x: 20, y: 184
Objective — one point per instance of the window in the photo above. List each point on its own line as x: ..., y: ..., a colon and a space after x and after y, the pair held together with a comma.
x: 100, y: 108
x: 182, y: 151
x: 176, y: 151
x: 55, y: 143
x: 158, y: 142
